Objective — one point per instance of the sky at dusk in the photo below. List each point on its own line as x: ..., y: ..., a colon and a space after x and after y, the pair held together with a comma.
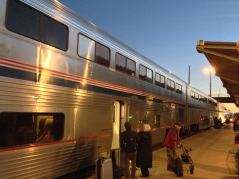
x: 167, y: 31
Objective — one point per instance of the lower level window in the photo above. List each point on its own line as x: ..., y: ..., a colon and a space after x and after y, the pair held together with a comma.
x: 30, y: 128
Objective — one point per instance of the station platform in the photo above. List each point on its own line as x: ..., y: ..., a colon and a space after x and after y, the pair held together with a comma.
x: 213, y: 154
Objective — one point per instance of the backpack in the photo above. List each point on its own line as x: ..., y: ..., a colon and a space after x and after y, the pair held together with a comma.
x: 130, y: 143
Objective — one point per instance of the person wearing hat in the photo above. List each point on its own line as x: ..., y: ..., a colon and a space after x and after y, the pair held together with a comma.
x: 171, y: 141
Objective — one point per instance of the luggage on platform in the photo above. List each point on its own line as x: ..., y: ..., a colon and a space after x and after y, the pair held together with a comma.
x: 178, y: 167
x: 104, y: 169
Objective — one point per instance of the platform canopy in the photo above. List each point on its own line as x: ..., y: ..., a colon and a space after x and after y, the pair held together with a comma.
x: 224, y: 57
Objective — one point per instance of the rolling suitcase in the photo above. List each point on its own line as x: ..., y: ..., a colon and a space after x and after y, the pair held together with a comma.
x: 178, y: 167
x: 104, y: 169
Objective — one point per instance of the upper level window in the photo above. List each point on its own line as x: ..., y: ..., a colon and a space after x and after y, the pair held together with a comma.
x: 196, y: 96
x: 192, y: 94
x: 145, y: 73
x: 120, y: 62
x: 102, y: 54
x: 178, y: 88
x: 30, y: 128
x: 130, y: 67
x: 160, y: 80
x: 86, y: 47
x: 204, y: 99
x: 125, y: 64
x: 91, y: 50
x: 170, y: 84
x: 29, y: 22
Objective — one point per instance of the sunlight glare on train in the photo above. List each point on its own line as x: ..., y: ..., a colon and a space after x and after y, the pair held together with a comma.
x: 75, y: 121
x: 46, y: 57
x: 38, y: 62
x: 84, y: 82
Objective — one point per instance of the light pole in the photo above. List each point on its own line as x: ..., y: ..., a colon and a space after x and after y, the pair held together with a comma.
x: 209, y: 70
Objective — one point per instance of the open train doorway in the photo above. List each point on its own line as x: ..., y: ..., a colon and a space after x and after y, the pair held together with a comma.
x: 119, y: 119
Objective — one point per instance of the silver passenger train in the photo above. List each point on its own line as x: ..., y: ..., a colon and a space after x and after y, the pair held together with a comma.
x: 66, y: 88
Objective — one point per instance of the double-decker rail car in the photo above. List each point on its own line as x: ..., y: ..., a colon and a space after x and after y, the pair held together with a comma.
x: 66, y: 89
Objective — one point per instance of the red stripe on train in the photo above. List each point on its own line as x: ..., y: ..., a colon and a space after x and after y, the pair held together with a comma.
x: 80, y: 79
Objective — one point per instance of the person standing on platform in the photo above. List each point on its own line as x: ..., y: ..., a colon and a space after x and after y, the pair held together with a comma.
x: 171, y: 141
x: 144, y: 151
x: 236, y: 127
x: 128, y: 143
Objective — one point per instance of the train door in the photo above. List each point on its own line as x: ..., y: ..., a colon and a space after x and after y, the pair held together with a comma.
x: 116, y: 125
x: 118, y: 120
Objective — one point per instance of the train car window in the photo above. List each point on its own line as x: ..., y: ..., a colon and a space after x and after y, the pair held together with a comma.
x: 54, y: 33
x: 86, y: 47
x: 125, y: 64
x: 18, y: 129
x: 178, y: 88
x: 145, y: 74
x: 94, y: 51
x: 102, y: 54
x: 160, y: 80
x: 23, y: 20
x: 142, y: 72
x: 196, y: 96
x: 192, y: 94
x: 120, y: 62
x: 27, y: 21
x: 130, y: 67
x: 170, y: 84
x: 149, y: 75
x: 157, y: 121
x: 157, y: 79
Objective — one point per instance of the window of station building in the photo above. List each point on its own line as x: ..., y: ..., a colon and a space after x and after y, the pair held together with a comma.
x: 145, y: 73
x: 178, y: 88
x: 160, y: 80
x: 29, y: 22
x: 94, y: 51
x: 17, y: 129
x: 125, y: 64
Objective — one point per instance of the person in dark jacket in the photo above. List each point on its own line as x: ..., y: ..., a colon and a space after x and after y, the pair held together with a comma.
x: 128, y: 143
x: 171, y: 141
x: 236, y: 127
x: 144, y: 151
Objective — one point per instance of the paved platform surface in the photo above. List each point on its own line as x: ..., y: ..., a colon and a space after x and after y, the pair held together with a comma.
x: 212, y: 153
